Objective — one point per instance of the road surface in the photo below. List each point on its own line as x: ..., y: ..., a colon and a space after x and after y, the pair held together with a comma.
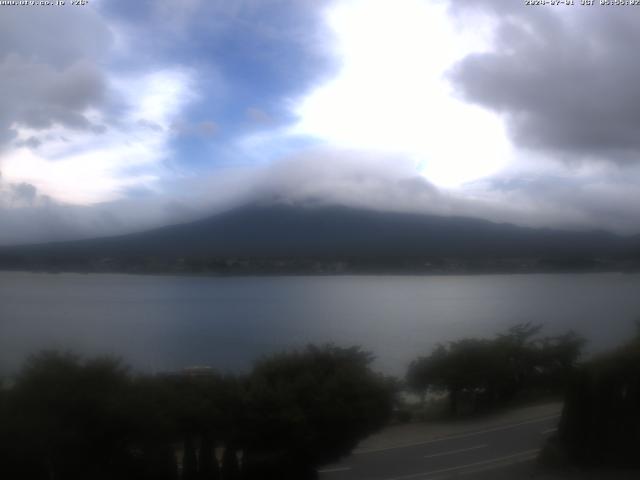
x: 502, y: 451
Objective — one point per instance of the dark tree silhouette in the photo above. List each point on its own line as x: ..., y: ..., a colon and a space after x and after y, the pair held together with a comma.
x: 310, y: 407
x: 230, y: 467
x: 600, y: 423
x: 208, y: 464
x: 69, y: 418
x: 493, y: 371
x: 189, y: 462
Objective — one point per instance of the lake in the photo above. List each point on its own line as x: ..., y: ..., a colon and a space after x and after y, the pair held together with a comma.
x: 159, y: 323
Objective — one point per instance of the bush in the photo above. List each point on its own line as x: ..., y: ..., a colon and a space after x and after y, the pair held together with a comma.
x: 482, y: 373
x: 69, y: 418
x: 315, y: 405
x: 600, y: 424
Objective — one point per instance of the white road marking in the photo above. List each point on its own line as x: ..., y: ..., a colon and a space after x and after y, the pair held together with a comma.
x: 334, y: 470
x: 458, y: 436
x: 548, y: 431
x: 500, y: 461
x: 452, y: 452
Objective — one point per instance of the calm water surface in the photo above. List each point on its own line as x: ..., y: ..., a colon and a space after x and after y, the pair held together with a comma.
x: 164, y: 323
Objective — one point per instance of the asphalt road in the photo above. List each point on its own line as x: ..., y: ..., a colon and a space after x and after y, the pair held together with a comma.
x: 506, y: 451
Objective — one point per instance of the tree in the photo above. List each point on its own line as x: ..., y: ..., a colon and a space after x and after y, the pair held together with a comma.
x: 493, y: 371
x: 69, y: 419
x: 558, y: 359
x: 203, y: 410
x: 310, y: 407
x: 208, y: 464
x: 230, y: 469
x: 427, y: 374
x: 470, y: 367
x: 600, y: 423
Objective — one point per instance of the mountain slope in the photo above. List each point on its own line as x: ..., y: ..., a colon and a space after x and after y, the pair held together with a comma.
x: 279, y: 231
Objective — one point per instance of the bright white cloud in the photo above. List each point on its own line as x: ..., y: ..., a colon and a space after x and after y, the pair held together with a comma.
x: 391, y: 94
x: 85, y: 167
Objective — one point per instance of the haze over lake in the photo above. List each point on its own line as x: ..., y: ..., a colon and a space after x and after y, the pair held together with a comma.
x: 159, y: 323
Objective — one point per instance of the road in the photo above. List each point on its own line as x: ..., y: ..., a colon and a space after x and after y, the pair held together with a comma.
x: 505, y: 451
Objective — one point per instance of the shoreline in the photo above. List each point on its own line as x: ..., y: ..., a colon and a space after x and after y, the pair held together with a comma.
x: 276, y: 273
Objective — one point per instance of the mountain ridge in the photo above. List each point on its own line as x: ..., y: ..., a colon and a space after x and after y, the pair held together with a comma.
x: 334, y: 232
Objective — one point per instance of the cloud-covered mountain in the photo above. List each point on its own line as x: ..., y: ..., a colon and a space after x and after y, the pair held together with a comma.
x: 150, y: 113
x: 290, y: 233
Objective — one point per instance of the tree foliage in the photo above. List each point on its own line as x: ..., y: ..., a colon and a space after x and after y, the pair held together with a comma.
x: 315, y: 404
x: 69, y: 418
x: 493, y: 371
x: 600, y: 424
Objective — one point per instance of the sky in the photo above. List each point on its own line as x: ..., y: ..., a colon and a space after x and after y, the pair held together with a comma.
x: 123, y: 115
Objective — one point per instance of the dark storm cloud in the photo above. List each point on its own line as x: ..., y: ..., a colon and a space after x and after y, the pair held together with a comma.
x: 49, y: 68
x: 56, y: 36
x: 37, y: 95
x: 566, y: 80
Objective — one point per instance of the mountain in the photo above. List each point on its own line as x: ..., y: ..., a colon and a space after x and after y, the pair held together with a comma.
x: 295, y: 234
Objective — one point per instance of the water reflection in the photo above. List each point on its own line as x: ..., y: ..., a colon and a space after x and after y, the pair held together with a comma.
x: 164, y: 322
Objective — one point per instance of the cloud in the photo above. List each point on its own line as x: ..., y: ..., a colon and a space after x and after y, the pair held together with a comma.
x: 37, y: 96
x: 56, y: 36
x: 205, y: 129
x: 528, y: 194
x: 51, y: 74
x: 390, y: 95
x: 154, y: 112
x: 259, y: 116
x: 592, y: 197
x: 247, y: 53
x: 94, y: 168
x: 349, y: 177
x: 318, y: 176
x: 565, y: 80
x: 77, y: 123
x: 26, y: 216
x: 112, y: 111
x: 24, y: 192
